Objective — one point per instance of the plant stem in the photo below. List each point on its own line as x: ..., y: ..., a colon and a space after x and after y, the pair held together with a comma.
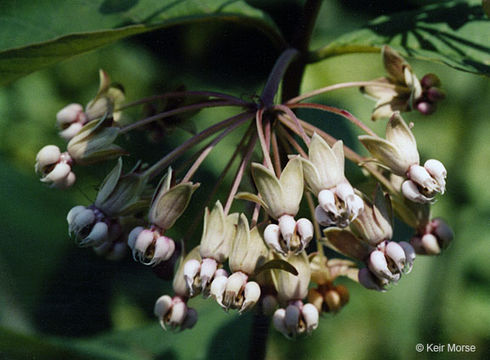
x: 263, y: 142
x: 341, y: 86
x: 207, y: 150
x: 293, y: 116
x: 258, y: 338
x: 212, y: 103
x: 240, y: 172
x: 276, y: 156
x: 333, y: 49
x: 291, y: 141
x: 301, y: 41
x: 178, y: 151
x: 337, y: 111
x: 219, y: 181
x: 276, y: 75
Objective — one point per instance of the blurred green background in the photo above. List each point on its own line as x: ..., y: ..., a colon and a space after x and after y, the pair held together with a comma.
x: 60, y: 301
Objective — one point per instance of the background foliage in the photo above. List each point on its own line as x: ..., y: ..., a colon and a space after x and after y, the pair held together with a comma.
x: 59, y: 301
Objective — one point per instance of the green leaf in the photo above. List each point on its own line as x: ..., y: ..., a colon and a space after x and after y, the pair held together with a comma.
x: 42, y: 33
x: 454, y: 33
x: 278, y: 264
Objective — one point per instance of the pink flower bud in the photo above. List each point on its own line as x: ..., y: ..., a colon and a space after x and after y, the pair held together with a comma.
x: 70, y: 114
x: 430, y: 244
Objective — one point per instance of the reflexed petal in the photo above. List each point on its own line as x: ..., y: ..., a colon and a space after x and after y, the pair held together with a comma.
x: 310, y: 314
x: 218, y: 287
x: 412, y: 193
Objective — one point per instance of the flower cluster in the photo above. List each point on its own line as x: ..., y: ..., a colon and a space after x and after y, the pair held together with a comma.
x: 268, y: 254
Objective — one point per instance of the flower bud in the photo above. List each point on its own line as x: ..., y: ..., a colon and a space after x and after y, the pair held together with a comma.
x: 430, y: 244
x: 292, y: 318
x: 120, y: 194
x: 170, y: 202
x: 425, y: 107
x: 190, y: 320
x: 409, y: 255
x: 369, y: 281
x: 70, y: 120
x: 95, y: 142
x: 443, y: 232
x: 269, y: 304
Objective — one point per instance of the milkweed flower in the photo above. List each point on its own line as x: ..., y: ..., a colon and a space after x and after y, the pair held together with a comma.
x: 296, y: 318
x: 151, y: 246
x: 248, y: 253
x: 324, y: 175
x: 55, y: 167
x: 399, y: 153
x: 216, y: 241
x: 281, y: 199
x: 406, y: 92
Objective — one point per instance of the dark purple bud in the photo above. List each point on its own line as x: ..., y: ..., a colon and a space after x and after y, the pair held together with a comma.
x: 434, y: 94
x: 442, y: 231
x: 430, y: 80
